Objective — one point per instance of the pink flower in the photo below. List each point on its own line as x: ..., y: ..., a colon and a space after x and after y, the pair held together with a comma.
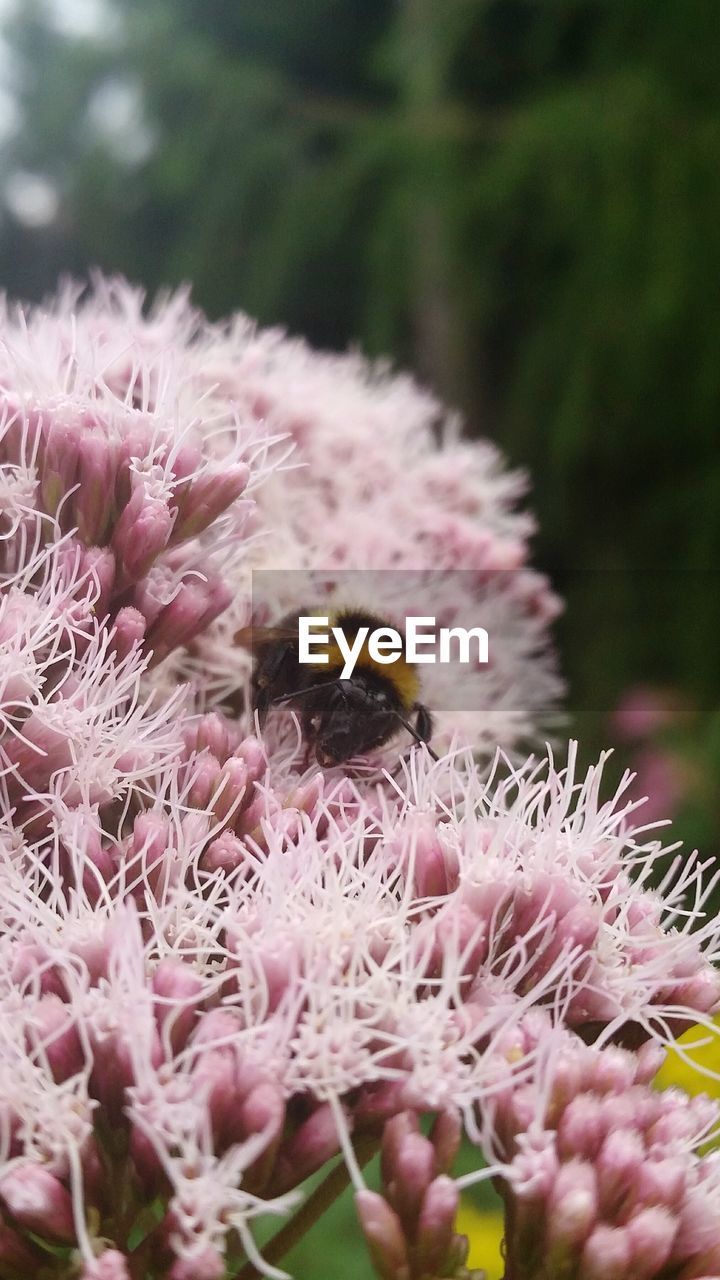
x: 643, y: 711
x: 621, y: 1198
x: 221, y: 968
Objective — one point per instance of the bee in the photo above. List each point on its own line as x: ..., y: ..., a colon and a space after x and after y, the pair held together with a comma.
x: 339, y: 718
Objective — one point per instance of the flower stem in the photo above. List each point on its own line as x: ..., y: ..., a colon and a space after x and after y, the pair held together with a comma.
x: 312, y: 1209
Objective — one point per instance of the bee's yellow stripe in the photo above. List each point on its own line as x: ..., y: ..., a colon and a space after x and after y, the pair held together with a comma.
x: 401, y: 674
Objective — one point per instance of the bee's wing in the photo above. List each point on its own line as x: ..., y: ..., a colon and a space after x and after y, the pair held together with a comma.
x: 248, y: 637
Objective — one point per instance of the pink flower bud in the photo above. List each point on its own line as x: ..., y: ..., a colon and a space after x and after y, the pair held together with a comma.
x: 252, y: 752
x: 54, y: 1029
x: 93, y: 1172
x: 395, y: 1132
x: 109, y: 1265
x: 211, y: 733
x: 648, y: 1061
x: 59, y: 464
x: 446, y: 1136
x: 99, y: 563
x: 42, y: 751
x: 618, y: 1165
x: 38, y: 1200
x: 215, y: 1026
x: 661, y: 1181
x: 701, y: 993
x: 263, y: 1109
x: 205, y: 774
x: 205, y: 497
x: 676, y: 1125
x: 279, y: 966
x: 215, y: 1078
x: 575, y: 930
x: 523, y: 1107
x: 94, y: 954
x: 136, y: 443
x: 195, y: 606
x: 535, y: 1167
x: 307, y: 797
x: 384, y: 1235
x: 251, y: 815
x: 225, y: 853
x: 141, y: 533
x: 698, y: 1234
x: 128, y: 631
x: 97, y: 464
x: 411, y: 1176
x: 178, y: 988
x: 540, y: 898
x: 435, y: 1224
x: 231, y: 789
x: 471, y: 937
x: 379, y: 1102
x: 199, y: 1264
x: 606, y: 1254
x: 651, y: 1234
x: 186, y: 458
x: 263, y: 1112
x: 99, y: 859
x: 433, y: 869
x: 581, y: 1128
x: 631, y: 1110
x: 146, y: 1162
x: 30, y: 966
x: 614, y: 1070
x: 114, y: 1054
x: 573, y: 1204
x: 147, y: 846
x: 315, y: 1142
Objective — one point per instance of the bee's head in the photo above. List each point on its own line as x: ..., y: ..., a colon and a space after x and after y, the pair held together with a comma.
x: 356, y: 718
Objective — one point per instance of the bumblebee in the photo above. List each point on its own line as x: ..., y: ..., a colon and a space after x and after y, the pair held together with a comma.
x: 339, y: 718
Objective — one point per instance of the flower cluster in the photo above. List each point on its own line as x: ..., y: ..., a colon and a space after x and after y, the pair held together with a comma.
x: 599, y: 1172
x: 139, y: 432
x: 222, y: 969
x: 601, y: 1177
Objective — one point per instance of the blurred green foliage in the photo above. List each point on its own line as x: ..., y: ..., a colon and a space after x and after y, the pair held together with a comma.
x: 516, y: 198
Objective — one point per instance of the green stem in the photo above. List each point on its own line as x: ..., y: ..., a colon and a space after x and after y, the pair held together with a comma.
x: 312, y: 1209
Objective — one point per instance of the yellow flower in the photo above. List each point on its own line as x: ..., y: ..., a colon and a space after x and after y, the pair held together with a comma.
x: 484, y: 1230
x: 682, y: 1074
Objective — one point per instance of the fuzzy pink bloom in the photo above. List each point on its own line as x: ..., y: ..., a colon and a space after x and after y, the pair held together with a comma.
x: 622, y: 1194
x: 643, y: 711
x: 219, y: 966
x: 409, y: 1230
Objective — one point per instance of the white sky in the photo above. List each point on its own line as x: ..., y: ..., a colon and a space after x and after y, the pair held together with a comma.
x: 115, y: 112
x: 79, y: 18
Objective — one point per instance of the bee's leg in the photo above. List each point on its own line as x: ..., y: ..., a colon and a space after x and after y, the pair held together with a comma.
x: 298, y: 693
x: 422, y: 729
x: 267, y: 678
x: 423, y: 723
x: 261, y: 703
